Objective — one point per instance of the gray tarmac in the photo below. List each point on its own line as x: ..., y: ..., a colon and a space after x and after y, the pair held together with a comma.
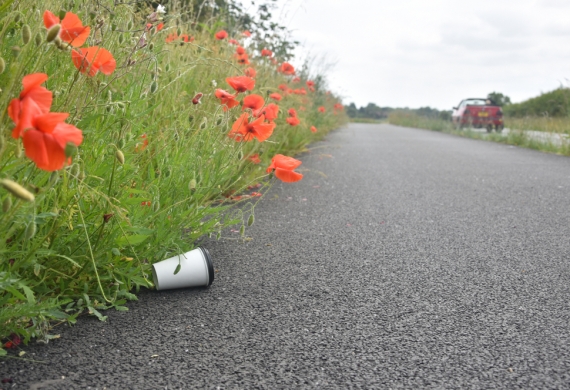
x: 404, y: 259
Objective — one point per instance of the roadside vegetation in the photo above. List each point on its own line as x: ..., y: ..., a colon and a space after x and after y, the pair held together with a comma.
x: 130, y: 131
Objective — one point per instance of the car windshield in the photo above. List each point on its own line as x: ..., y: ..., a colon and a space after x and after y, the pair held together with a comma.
x: 475, y: 102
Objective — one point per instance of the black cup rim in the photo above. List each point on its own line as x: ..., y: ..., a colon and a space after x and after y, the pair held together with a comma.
x: 209, y: 263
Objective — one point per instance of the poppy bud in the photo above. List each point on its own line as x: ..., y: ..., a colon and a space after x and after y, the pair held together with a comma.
x: 178, y: 31
x: 242, y: 230
x: 151, y: 46
x: 17, y: 190
x: 153, y: 87
x: 130, y: 25
x: 121, y: 105
x: 2, y: 145
x: 219, y: 122
x: 17, y: 17
x: 38, y: 39
x: 74, y: 170
x: 192, y: 185
x: 218, y: 236
x: 81, y: 175
x: 121, y: 143
x: 53, y: 178
x: 121, y: 38
x: 7, y: 204
x: 167, y: 67
x: 250, y: 220
x: 155, y: 206
x: 53, y: 32
x: 61, y: 14
x: 197, y: 98
x: 2, y: 65
x: 26, y: 34
x: 204, y: 123
x: 240, y: 155
x: 120, y: 157
x: 92, y: 14
x: 70, y: 149
x: 30, y: 231
x: 16, y: 51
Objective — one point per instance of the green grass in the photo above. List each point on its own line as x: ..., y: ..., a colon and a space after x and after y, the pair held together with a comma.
x: 88, y: 240
x: 515, y: 137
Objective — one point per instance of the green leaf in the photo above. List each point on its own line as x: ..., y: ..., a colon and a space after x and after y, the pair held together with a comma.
x: 133, y: 240
x: 3, y: 352
x: 29, y: 293
x: 121, y: 308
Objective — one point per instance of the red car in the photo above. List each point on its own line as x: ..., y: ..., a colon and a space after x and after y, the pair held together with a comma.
x: 478, y: 113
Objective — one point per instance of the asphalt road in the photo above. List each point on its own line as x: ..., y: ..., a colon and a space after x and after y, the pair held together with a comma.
x: 404, y: 259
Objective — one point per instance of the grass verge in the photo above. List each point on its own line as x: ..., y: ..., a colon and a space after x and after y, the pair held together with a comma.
x: 143, y: 165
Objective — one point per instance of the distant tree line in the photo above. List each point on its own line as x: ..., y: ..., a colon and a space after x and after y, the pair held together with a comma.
x: 554, y: 103
x: 372, y: 111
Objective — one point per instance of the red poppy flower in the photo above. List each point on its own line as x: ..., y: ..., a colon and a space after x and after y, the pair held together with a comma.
x: 33, y: 100
x: 292, y: 112
x: 246, y: 33
x: 322, y: 109
x: 160, y: 26
x: 226, y: 98
x: 302, y: 91
x: 243, y: 130
x: 171, y: 37
x: 271, y: 112
x: 250, y: 72
x: 256, y: 194
x: 72, y: 30
x: 275, y: 96
x: 253, y: 102
x: 310, y: 83
x: 338, y: 106
x: 242, y: 58
x: 93, y: 59
x: 293, y: 121
x: 296, y: 79
x: 185, y: 38
x: 241, y: 83
x: 240, y: 50
x: 313, y: 129
x: 254, y: 158
x: 222, y: 34
x: 233, y: 42
x: 197, y: 97
x: 266, y: 53
x: 287, y: 68
x: 284, y: 167
x: 139, y: 147
x: 45, y: 141
x: 283, y: 87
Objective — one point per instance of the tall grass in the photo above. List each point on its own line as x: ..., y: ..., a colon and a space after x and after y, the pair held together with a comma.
x: 154, y: 173
x: 518, y: 136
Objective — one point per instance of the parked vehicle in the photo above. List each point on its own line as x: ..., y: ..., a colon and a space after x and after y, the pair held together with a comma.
x: 478, y: 113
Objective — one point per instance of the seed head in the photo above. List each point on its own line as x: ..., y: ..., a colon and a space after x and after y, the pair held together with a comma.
x: 17, y: 190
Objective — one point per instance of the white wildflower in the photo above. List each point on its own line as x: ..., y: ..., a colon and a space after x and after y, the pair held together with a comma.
x: 161, y: 9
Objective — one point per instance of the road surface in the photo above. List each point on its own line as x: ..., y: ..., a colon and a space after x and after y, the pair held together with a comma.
x: 405, y: 258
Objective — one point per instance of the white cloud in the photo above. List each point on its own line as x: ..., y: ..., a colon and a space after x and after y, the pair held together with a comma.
x: 418, y: 53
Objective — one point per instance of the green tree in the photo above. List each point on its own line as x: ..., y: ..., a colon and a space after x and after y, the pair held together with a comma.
x: 499, y: 99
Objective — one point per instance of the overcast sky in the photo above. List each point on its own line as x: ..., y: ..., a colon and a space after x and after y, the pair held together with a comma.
x: 435, y: 52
